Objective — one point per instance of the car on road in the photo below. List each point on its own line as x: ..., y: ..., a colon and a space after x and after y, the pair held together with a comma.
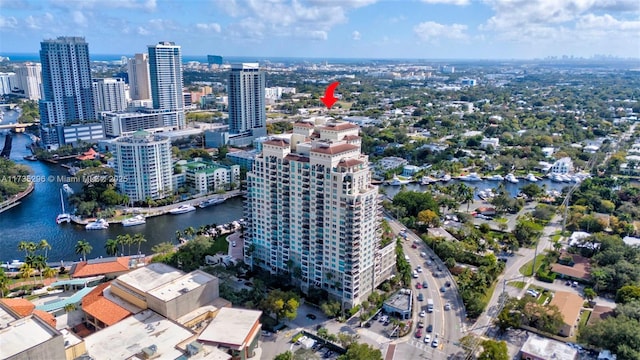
x: 233, y: 243
x: 429, y: 262
x: 414, y: 246
x: 420, y: 297
x: 435, y: 342
x: 427, y: 338
x: 423, y: 313
x: 430, y: 328
x: 574, y: 284
x: 311, y: 316
x: 447, y: 306
x: 425, y: 284
x: 447, y: 284
x: 419, y: 269
x: 418, y: 285
x: 423, y: 254
x: 443, y: 289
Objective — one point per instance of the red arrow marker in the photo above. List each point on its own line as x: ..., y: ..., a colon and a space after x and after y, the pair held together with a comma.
x: 328, y: 98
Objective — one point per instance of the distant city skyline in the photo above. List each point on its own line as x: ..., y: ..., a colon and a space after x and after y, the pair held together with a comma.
x: 426, y: 29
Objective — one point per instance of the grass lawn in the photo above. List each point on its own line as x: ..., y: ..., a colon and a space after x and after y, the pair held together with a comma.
x: 221, y: 245
x: 489, y: 293
x: 584, y: 318
x: 345, y: 105
x: 526, y: 268
x: 556, y: 237
x: 542, y: 298
x: 517, y: 284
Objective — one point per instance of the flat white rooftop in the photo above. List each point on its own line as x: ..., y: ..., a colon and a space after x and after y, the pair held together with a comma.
x: 131, y: 335
x: 231, y: 326
x: 548, y: 349
x: 150, y: 276
x: 181, y: 285
x: 23, y: 334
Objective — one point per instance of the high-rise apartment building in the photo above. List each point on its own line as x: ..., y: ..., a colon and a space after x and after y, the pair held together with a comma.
x: 138, y: 70
x: 109, y: 94
x: 143, y: 166
x: 311, y: 209
x: 66, y: 83
x: 247, y: 113
x: 7, y: 82
x: 29, y: 76
x: 165, y: 75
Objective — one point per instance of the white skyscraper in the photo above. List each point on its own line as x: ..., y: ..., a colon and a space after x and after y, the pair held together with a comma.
x: 247, y: 113
x: 109, y: 94
x: 312, y: 210
x: 138, y: 71
x: 165, y: 75
x: 29, y: 77
x: 143, y: 166
x: 7, y: 82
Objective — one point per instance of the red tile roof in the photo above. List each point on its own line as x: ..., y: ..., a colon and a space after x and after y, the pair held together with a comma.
x: 339, y: 126
x: 350, y: 162
x: 335, y: 149
x: 569, y: 305
x: 22, y: 307
x: 87, y: 155
x: 279, y: 142
x: 581, y: 268
x: 46, y: 317
x: 298, y: 158
x: 101, y: 308
x: 87, y: 268
x: 351, y: 137
x: 303, y: 124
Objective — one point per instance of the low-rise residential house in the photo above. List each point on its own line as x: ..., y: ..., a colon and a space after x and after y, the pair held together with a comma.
x: 570, y: 307
x: 110, y: 267
x: 562, y: 166
x: 493, y: 142
x: 573, y: 267
x: 410, y: 170
x: 599, y: 313
x: 390, y: 163
x: 207, y: 176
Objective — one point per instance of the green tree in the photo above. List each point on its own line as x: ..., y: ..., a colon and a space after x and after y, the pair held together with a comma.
x: 26, y: 271
x: 282, y: 304
x: 83, y: 247
x: 139, y: 239
x: 331, y: 308
x: 162, y: 248
x: 111, y: 247
x: 49, y: 272
x: 359, y: 351
x: 494, y: 350
x: 627, y: 294
x: 287, y: 355
x: 619, y: 334
x: 4, y: 282
x: 346, y: 339
x: 589, y: 293
x: 44, y: 245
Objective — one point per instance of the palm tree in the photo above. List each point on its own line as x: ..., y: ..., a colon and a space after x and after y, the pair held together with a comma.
x: 190, y: 231
x: 39, y: 262
x: 44, y: 245
x: 83, y: 247
x: 28, y: 247
x: 178, y: 235
x: 49, y: 272
x: 111, y: 247
x: 139, y: 239
x: 4, y: 282
x: 162, y: 248
x: 26, y: 271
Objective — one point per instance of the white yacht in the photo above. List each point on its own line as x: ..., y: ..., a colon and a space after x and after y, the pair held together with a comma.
x: 211, y: 202
x: 471, y: 177
x: 62, y: 217
x: 496, y: 177
x: 136, y: 220
x: 397, y: 181
x: 426, y: 180
x: 511, y: 178
x: 446, y: 178
x: 486, y: 194
x: 182, y: 209
x: 531, y: 177
x: 100, y: 224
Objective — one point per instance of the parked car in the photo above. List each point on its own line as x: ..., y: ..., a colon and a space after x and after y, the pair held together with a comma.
x: 435, y: 342
x: 427, y: 338
x: 447, y: 306
x: 311, y: 316
x: 419, y: 333
x: 418, y: 286
x: 423, y: 313
x: 420, y: 297
x: 430, y: 328
x: 233, y: 243
x: 414, y: 246
x: 447, y: 284
x: 425, y: 284
x: 443, y: 289
x: 420, y: 324
x: 419, y: 269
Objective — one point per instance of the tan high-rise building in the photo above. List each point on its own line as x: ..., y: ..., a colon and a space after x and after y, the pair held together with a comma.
x: 138, y: 71
x: 30, y: 80
x: 312, y: 212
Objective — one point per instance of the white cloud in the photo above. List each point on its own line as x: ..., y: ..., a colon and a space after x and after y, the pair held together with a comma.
x: 147, y: 5
x: 213, y: 27
x: 79, y: 18
x: 311, y: 19
x: 162, y: 25
x: 9, y: 22
x: 355, y: 35
x: 607, y: 22
x: 448, y: 2
x: 142, y: 31
x: 431, y: 31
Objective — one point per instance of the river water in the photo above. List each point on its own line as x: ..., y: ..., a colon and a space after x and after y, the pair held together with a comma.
x: 34, y: 218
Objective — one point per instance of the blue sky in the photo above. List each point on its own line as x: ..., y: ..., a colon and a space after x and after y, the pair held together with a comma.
x: 461, y: 29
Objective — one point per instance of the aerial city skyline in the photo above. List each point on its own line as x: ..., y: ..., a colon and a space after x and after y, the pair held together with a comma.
x: 445, y: 29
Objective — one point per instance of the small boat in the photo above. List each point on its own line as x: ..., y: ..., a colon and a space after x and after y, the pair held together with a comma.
x: 496, y: 177
x: 446, y: 178
x: 471, y: 177
x: 531, y: 177
x: 136, y: 220
x: 211, y: 202
x: 486, y: 194
x: 100, y: 224
x: 397, y: 182
x: 31, y: 158
x: 67, y: 189
x: 426, y: 180
x: 182, y: 209
x: 62, y: 217
x: 14, y: 265
x: 511, y: 178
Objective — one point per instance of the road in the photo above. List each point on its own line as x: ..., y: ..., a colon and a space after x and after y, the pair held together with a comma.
x: 447, y: 325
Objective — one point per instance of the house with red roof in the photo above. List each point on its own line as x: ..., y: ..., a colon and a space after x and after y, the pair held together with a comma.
x: 100, y: 311
x: 111, y: 267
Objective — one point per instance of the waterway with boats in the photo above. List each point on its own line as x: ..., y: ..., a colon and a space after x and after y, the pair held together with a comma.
x: 35, y: 218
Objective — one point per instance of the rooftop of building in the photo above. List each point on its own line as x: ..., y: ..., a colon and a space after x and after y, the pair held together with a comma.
x: 102, y: 308
x: 581, y: 268
x: 339, y: 126
x: 149, y: 277
x: 332, y: 149
x: 102, y: 266
x: 400, y: 300
x: 232, y: 327
x: 70, y: 339
x: 131, y: 335
x: 599, y: 313
x: 22, y: 307
x: 544, y: 348
x: 22, y: 334
x: 181, y: 285
x: 203, y: 166
x: 569, y: 305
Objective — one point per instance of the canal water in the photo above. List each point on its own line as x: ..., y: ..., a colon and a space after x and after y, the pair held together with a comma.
x: 34, y: 218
